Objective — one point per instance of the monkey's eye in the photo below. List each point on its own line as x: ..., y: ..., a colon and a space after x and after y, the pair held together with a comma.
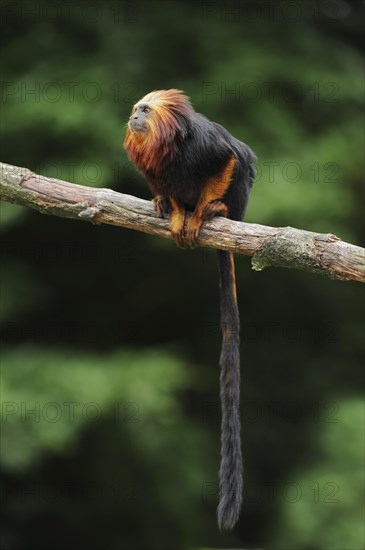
x: 145, y: 109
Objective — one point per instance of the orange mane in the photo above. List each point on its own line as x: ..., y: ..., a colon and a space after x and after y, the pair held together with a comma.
x: 150, y: 149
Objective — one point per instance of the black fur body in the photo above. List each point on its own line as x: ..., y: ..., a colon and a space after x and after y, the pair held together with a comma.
x: 203, y: 148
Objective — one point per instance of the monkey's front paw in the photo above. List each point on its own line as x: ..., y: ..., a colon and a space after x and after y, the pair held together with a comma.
x: 192, y: 233
x: 162, y: 206
x: 179, y: 238
x: 177, y: 225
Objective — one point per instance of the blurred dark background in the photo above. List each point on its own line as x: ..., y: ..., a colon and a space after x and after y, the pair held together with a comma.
x: 110, y: 407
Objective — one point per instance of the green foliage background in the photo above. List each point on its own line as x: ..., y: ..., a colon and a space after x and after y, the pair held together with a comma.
x: 110, y: 411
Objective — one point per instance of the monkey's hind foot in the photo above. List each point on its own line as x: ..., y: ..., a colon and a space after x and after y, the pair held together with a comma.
x: 196, y: 220
x: 162, y: 206
x: 214, y: 208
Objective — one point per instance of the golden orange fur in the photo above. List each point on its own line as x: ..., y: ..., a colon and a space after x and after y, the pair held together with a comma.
x: 148, y: 150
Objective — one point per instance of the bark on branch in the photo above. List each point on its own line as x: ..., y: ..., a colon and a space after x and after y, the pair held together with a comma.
x: 269, y: 246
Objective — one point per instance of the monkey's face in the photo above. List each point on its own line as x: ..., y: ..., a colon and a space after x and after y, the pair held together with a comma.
x: 138, y: 121
x: 155, y: 122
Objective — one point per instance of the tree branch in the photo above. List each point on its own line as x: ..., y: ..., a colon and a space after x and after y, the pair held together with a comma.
x: 269, y: 246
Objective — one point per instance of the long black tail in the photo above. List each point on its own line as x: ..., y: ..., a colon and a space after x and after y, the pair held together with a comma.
x: 230, y: 474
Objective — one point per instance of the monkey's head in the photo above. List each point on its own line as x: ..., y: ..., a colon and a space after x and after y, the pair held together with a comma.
x: 158, y: 123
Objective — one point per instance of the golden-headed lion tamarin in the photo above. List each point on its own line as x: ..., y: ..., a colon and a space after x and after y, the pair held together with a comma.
x: 193, y: 164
